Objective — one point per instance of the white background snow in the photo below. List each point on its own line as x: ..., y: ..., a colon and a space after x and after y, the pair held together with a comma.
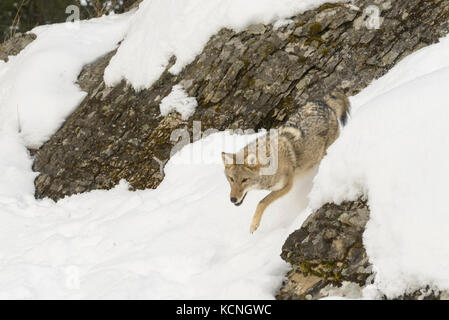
x: 185, y: 239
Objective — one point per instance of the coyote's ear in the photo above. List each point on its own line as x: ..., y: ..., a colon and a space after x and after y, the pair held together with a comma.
x: 251, y: 159
x: 228, y: 158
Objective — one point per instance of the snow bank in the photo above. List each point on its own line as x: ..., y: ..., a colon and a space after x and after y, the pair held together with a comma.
x: 395, y: 151
x: 163, y: 28
x: 37, y: 87
x: 184, y: 240
x: 180, y: 102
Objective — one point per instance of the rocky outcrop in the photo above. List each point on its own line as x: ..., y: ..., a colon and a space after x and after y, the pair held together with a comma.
x: 328, y: 259
x: 327, y: 254
x: 15, y: 44
x: 252, y: 79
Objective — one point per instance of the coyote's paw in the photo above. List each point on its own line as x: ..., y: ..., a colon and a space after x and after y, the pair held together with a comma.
x: 254, y: 226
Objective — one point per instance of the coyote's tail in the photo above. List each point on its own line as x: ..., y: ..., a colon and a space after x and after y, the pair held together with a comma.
x: 339, y: 102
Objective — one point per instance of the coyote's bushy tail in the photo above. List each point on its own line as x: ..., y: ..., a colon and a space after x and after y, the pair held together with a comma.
x: 339, y: 102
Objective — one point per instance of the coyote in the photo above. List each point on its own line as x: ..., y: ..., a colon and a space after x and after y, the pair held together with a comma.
x: 296, y: 147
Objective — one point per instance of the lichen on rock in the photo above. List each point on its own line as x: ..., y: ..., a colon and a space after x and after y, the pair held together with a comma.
x: 327, y: 251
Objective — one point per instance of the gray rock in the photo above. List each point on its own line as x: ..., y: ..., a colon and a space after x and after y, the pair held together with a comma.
x: 327, y: 252
x: 15, y: 44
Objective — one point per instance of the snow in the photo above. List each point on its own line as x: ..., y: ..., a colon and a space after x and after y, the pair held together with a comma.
x: 282, y: 23
x: 181, y: 28
x: 178, y: 101
x: 184, y: 240
x: 347, y: 291
x: 394, y: 152
x: 37, y: 87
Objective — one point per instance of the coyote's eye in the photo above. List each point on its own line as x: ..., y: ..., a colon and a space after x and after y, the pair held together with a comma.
x: 244, y: 180
x: 232, y: 180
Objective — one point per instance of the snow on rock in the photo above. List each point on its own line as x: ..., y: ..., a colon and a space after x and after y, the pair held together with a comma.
x: 180, y: 102
x: 38, y: 86
x: 282, y: 23
x: 418, y: 64
x: 165, y: 28
x: 394, y: 151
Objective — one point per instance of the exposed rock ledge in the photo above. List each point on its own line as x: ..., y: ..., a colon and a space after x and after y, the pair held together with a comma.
x: 15, y: 44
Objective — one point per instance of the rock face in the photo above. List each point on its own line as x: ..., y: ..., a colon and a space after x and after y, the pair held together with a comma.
x: 254, y: 79
x: 327, y: 252
x: 328, y: 258
x: 14, y: 45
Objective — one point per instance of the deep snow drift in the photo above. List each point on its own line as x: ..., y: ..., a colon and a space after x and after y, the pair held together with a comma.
x: 183, y: 240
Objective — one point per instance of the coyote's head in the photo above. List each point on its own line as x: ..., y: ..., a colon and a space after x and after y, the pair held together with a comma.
x: 242, y: 177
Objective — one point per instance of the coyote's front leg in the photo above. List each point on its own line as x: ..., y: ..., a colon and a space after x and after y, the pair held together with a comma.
x: 265, y: 202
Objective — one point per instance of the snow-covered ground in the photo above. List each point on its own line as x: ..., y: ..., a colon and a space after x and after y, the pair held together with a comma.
x: 185, y: 239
